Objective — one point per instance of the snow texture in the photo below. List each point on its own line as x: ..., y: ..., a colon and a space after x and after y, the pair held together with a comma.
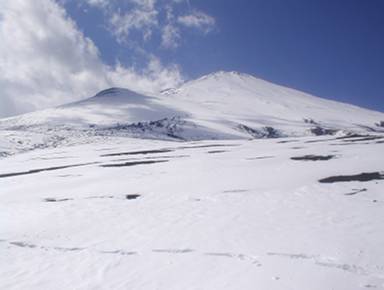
x: 224, y: 183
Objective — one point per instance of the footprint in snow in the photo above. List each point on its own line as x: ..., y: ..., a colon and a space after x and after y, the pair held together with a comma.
x: 23, y: 245
x: 173, y: 251
x: 57, y: 199
x: 241, y: 257
x: 119, y: 252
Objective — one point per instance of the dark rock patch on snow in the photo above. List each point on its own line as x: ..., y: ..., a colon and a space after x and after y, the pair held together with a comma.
x: 362, y: 177
x: 320, y: 131
x: 356, y: 191
x: 313, y: 157
x: 32, y: 171
x: 380, y: 124
x: 264, y: 132
x: 216, y: 151
x: 133, y: 163
x: 143, y: 152
x: 207, y: 146
x: 310, y: 121
x: 167, y: 127
x: 287, y: 141
x: 152, y: 158
x: 49, y: 199
x: 132, y: 196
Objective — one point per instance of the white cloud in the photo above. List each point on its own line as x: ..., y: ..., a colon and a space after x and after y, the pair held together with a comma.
x: 149, y: 17
x: 98, y: 3
x: 155, y: 77
x: 198, y: 19
x: 46, y: 61
x: 170, y: 36
x: 141, y: 18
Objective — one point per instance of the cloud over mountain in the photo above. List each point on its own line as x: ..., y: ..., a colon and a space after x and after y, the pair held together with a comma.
x: 46, y: 60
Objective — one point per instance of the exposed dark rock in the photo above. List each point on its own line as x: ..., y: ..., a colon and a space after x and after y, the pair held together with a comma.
x: 272, y: 132
x: 264, y: 132
x: 380, y: 124
x: 133, y: 163
x: 56, y: 199
x: 32, y: 171
x: 287, y: 141
x: 356, y: 191
x: 320, y: 131
x: 143, y: 152
x: 132, y: 196
x: 169, y: 127
x: 313, y: 157
x: 207, y: 146
x: 362, y: 177
x: 310, y: 121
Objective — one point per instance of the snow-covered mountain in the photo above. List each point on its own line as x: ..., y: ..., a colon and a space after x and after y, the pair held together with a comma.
x: 93, y: 208
x: 223, y: 105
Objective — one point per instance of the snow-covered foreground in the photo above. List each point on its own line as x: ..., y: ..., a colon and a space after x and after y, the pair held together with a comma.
x: 127, y: 213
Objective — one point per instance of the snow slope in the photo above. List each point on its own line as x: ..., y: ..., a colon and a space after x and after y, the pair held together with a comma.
x: 145, y: 214
x: 231, y: 97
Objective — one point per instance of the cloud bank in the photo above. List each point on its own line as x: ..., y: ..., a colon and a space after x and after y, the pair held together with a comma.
x: 45, y: 60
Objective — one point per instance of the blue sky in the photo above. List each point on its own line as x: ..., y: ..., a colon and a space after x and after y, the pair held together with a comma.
x: 64, y: 50
x: 333, y: 49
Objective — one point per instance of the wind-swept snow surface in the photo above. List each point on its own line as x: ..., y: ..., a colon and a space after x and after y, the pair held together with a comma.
x: 144, y: 214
